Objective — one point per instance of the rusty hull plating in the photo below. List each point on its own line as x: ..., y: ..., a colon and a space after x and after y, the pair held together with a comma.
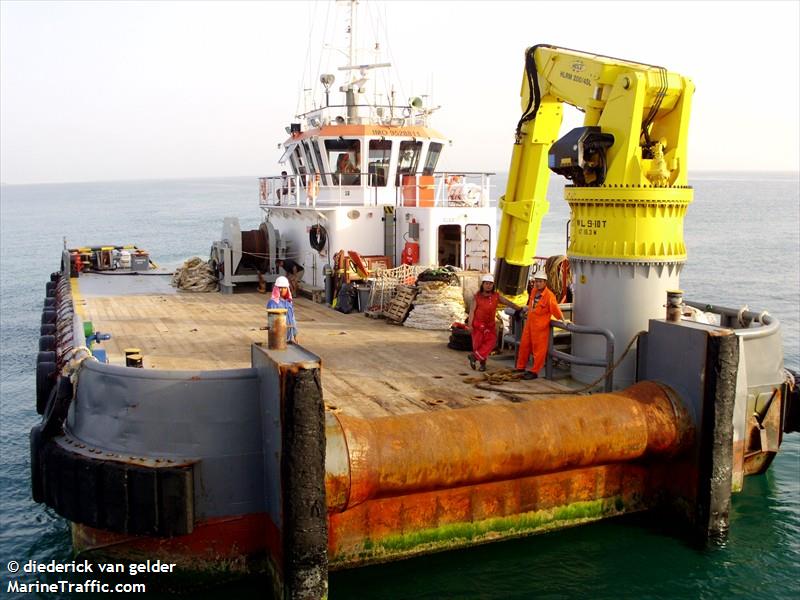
x: 403, y: 485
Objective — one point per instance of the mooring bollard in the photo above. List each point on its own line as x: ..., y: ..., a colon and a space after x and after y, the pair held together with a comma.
x: 674, y: 305
x: 276, y: 328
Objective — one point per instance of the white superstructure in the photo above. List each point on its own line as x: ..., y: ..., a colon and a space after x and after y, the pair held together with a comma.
x: 364, y: 170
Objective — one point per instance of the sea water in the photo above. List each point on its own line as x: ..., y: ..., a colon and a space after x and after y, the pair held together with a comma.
x: 741, y: 232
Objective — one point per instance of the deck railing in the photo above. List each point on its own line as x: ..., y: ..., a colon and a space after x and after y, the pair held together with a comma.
x: 441, y: 189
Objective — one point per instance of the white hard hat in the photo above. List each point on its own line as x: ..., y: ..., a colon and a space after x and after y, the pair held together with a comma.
x: 282, y: 282
x: 488, y: 277
x: 540, y: 274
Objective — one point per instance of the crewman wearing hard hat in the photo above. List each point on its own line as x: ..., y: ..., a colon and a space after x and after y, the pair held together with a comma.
x: 282, y: 298
x: 481, y: 321
x: 542, y: 306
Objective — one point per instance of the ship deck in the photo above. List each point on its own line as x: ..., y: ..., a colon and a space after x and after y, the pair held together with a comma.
x: 370, y: 368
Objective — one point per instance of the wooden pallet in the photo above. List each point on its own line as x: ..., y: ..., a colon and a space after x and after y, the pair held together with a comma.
x: 401, y: 304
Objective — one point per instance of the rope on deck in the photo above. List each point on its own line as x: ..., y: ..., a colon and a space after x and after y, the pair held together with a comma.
x: 491, y: 379
x: 196, y: 275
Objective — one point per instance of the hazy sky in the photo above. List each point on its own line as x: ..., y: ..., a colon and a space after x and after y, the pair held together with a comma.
x: 126, y: 90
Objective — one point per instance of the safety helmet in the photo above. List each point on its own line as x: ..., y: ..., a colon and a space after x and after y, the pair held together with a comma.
x: 488, y: 277
x: 281, y: 282
x: 540, y: 274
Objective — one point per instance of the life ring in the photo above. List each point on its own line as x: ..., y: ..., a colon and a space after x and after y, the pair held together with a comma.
x: 317, y: 237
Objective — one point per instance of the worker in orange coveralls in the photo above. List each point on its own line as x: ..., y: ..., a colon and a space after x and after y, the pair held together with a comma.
x: 536, y: 335
x: 481, y: 321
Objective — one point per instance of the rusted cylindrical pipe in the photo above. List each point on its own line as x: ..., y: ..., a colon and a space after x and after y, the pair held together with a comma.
x: 425, y: 451
x: 276, y: 326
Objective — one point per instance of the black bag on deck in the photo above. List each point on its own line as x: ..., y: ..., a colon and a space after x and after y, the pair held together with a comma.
x: 347, y: 299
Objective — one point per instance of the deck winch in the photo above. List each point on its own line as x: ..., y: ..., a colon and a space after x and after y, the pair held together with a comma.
x: 246, y: 256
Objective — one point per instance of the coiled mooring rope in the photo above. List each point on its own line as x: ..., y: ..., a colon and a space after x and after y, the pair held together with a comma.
x: 195, y: 275
x: 504, y: 375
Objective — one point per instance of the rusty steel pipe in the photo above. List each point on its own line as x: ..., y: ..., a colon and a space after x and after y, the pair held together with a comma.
x: 389, y: 456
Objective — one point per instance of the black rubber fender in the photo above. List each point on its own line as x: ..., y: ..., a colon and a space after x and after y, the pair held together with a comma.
x: 50, y: 289
x: 45, y: 382
x: 48, y: 329
x: 37, y: 485
x: 49, y: 316
x: 47, y: 343
x: 54, y: 276
x: 56, y: 410
x: 45, y: 356
x: 49, y: 303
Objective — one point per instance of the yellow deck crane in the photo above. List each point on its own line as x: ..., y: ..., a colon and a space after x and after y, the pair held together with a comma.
x: 628, y: 196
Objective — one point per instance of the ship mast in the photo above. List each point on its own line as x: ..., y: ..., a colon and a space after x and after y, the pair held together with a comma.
x: 351, y: 28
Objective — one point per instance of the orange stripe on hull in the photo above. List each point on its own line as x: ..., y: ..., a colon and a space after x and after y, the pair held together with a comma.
x: 232, y: 540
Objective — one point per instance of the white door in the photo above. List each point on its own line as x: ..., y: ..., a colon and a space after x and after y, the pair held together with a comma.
x: 477, y: 247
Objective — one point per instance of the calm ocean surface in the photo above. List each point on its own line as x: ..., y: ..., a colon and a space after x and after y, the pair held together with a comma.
x: 742, y: 237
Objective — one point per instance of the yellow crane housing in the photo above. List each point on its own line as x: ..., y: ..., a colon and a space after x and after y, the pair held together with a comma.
x: 629, y: 191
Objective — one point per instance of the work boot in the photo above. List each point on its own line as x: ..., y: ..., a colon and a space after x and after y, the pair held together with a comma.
x: 483, y: 366
x: 471, y: 358
x: 529, y: 375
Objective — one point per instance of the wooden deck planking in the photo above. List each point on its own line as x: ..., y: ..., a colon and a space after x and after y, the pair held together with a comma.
x: 369, y: 368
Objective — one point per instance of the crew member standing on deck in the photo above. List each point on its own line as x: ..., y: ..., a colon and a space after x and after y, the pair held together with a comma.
x: 481, y: 321
x: 282, y: 298
x: 286, y: 188
x: 542, y: 306
x: 294, y: 272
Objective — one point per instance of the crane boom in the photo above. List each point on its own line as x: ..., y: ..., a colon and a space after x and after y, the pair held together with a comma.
x: 634, y: 135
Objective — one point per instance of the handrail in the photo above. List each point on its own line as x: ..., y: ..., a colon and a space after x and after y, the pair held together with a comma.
x: 743, y: 317
x: 440, y: 188
x: 552, y: 353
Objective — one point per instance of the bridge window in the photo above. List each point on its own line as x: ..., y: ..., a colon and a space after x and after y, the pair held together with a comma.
x: 379, y: 154
x: 409, y: 159
x: 300, y: 164
x: 293, y: 163
x: 309, y: 159
x: 434, y: 151
x: 318, y: 154
x: 345, y: 155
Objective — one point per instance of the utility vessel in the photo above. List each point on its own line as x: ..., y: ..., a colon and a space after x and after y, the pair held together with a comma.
x: 372, y: 442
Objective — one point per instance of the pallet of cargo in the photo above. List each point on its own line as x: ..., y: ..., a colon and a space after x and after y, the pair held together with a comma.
x: 401, y: 304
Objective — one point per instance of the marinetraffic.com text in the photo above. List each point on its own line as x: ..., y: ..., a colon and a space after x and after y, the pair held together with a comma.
x: 25, y: 576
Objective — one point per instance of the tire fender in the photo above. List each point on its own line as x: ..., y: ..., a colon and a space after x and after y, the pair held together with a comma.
x: 37, y: 483
x: 57, y: 406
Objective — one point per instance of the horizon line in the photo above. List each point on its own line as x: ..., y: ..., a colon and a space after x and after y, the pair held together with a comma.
x: 795, y: 173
